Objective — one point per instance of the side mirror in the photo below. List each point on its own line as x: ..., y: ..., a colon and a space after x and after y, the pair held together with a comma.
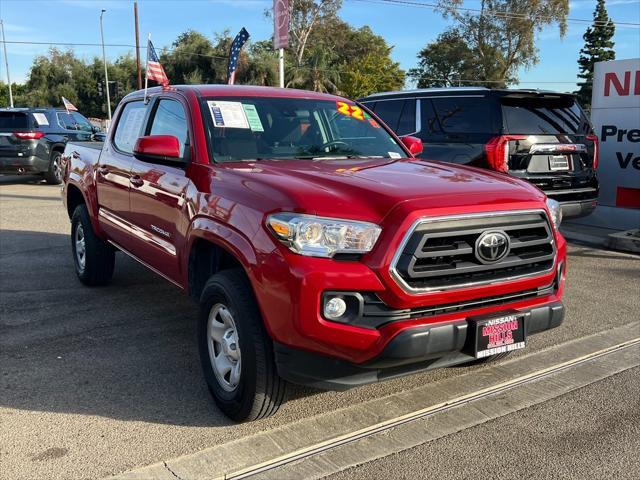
x: 413, y: 144
x: 95, y: 129
x: 158, y: 148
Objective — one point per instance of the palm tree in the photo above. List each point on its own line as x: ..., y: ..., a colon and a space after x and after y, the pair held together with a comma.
x: 317, y: 74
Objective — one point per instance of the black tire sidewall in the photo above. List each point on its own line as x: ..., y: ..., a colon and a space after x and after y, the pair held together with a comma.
x: 78, y: 219
x: 50, y: 176
x: 238, y: 402
x: 99, y: 255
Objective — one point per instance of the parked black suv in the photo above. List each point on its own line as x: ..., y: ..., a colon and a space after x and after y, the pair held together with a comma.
x: 543, y: 137
x: 32, y: 139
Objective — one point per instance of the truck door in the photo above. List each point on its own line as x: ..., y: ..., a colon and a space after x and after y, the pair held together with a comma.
x: 158, y: 191
x: 114, y: 172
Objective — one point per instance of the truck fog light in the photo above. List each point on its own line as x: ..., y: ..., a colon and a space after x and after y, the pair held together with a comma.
x: 335, y: 308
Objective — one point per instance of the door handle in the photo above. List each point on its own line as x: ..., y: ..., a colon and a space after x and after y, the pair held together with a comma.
x: 102, y: 170
x: 136, y: 181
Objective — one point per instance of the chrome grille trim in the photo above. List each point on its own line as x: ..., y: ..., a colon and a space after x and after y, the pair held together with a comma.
x: 426, y: 220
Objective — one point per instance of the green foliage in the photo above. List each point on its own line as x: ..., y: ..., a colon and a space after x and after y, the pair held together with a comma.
x: 500, y: 44
x: 598, y: 47
x: 445, y: 62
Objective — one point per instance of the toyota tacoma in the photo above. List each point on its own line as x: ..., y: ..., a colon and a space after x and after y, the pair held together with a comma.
x: 321, y: 250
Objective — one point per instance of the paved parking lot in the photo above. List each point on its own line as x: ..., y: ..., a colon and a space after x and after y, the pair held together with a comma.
x: 94, y: 382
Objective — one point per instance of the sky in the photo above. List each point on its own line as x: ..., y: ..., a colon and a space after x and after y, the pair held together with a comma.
x: 408, y: 29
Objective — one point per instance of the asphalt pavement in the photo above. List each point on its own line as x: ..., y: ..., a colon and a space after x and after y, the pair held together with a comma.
x: 95, y: 382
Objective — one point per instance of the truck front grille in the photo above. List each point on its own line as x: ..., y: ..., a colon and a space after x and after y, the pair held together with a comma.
x: 442, y: 253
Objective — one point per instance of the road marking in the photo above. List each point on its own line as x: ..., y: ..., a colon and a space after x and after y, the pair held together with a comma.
x: 292, y: 446
x: 425, y: 412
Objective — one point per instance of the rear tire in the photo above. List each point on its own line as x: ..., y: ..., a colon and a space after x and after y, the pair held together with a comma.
x: 235, y: 351
x: 94, y: 259
x: 54, y: 174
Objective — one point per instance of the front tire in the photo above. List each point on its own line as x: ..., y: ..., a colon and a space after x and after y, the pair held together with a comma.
x: 93, y: 258
x: 53, y: 176
x: 235, y: 351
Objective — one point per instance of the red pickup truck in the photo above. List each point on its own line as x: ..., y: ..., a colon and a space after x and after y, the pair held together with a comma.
x: 321, y: 251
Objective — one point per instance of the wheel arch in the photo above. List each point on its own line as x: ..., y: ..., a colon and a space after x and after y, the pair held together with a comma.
x: 213, y: 247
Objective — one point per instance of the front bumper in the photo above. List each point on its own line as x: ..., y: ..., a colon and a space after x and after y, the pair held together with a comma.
x: 414, y: 350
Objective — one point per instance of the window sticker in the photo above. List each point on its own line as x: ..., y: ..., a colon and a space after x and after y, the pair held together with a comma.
x: 394, y: 155
x: 350, y: 110
x: 255, y: 124
x: 228, y: 114
x: 132, y: 126
x: 40, y: 118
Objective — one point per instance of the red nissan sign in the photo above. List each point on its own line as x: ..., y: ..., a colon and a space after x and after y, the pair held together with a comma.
x: 280, y: 24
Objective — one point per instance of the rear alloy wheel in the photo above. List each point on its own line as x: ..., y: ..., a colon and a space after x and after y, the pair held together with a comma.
x: 93, y: 258
x: 54, y: 174
x: 235, y: 351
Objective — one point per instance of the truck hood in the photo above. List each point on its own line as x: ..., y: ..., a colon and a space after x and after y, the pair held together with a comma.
x: 371, y: 188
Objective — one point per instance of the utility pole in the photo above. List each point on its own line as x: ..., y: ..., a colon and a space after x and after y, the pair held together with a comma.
x: 106, y: 74
x: 6, y: 62
x: 135, y: 15
x: 281, y: 66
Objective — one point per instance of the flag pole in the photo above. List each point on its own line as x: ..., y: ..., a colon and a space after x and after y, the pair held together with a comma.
x: 146, y: 71
x: 281, y: 67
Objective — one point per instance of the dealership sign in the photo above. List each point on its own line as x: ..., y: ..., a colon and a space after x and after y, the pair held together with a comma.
x: 280, y: 24
x: 615, y: 114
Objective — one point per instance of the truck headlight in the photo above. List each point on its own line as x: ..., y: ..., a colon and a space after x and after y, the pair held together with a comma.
x: 556, y: 212
x: 323, y: 237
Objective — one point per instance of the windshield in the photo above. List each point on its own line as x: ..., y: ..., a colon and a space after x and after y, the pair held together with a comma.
x: 254, y: 128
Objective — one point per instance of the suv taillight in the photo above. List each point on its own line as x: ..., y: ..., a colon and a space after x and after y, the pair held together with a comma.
x: 497, y: 150
x: 596, y: 149
x: 28, y: 135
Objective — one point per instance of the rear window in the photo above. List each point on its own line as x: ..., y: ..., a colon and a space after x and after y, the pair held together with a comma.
x: 463, y: 115
x: 543, y: 116
x: 14, y: 120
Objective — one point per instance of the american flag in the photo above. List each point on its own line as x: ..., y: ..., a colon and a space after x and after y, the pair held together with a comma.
x: 68, y: 105
x: 236, y: 46
x: 154, y: 69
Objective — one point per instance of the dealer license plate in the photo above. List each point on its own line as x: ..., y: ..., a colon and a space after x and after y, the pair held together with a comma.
x: 498, y: 334
x: 559, y: 162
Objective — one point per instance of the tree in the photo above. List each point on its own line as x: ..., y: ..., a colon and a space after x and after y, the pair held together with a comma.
x: 445, y: 62
x: 361, y: 58
x: 502, y: 34
x: 598, y: 47
x: 194, y: 59
x: 316, y: 74
x: 304, y: 15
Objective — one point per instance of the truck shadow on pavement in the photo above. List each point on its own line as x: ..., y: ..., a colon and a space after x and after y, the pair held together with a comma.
x: 125, y: 351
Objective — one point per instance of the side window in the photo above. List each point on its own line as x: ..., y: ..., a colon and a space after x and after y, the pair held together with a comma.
x: 170, y: 119
x: 389, y: 111
x: 428, y: 120
x: 407, y: 122
x: 66, y: 121
x: 370, y: 105
x: 81, y: 122
x: 463, y: 115
x: 129, y: 126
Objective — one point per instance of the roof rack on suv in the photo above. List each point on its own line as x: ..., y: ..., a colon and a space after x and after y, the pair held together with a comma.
x: 430, y: 90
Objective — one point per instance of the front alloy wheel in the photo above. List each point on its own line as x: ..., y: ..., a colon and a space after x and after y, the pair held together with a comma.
x: 235, y: 351
x: 223, y: 346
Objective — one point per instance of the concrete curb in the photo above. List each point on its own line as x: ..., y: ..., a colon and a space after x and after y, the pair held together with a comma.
x: 628, y: 241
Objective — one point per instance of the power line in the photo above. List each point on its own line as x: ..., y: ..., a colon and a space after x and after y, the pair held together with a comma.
x: 301, y: 67
x: 494, y: 13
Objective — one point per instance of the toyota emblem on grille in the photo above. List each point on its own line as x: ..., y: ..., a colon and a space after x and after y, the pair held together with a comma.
x: 492, y: 246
